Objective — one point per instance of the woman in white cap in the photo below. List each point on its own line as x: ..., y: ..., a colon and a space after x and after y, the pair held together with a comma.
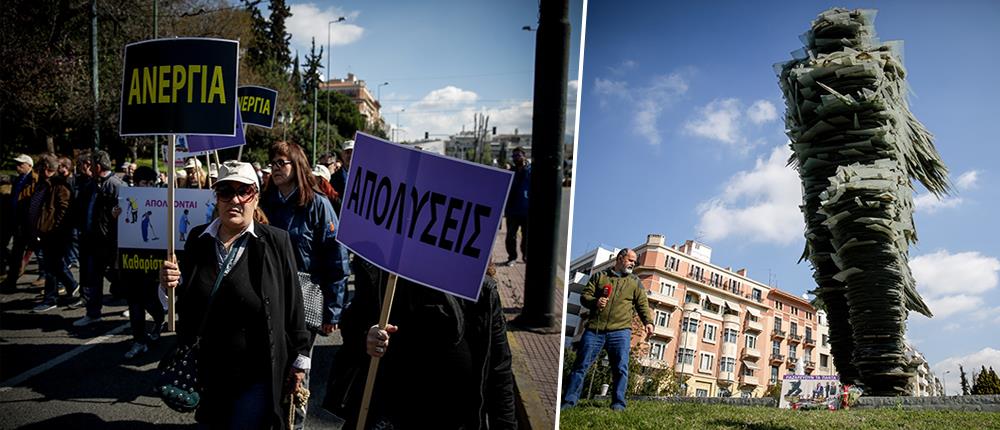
x: 240, y: 293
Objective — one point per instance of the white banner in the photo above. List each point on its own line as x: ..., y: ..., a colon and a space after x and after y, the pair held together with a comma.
x: 143, y: 221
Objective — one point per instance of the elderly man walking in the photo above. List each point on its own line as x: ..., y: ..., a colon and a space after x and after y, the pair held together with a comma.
x: 613, y: 296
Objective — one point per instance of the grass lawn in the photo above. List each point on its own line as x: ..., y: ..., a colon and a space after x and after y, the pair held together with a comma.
x: 658, y: 415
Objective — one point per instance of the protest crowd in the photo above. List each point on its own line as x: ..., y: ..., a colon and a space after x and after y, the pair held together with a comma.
x: 272, y: 225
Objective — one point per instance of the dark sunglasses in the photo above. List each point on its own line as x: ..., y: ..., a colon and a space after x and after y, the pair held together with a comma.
x: 277, y: 164
x: 227, y: 193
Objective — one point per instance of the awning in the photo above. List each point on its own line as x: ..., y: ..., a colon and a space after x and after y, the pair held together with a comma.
x: 732, y: 305
x: 753, y: 312
x: 750, y: 364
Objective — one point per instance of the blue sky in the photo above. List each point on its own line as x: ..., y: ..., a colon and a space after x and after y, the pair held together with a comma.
x: 444, y: 60
x: 682, y: 133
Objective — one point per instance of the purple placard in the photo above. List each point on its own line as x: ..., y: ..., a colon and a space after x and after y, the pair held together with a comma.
x: 397, y: 202
x: 197, y: 143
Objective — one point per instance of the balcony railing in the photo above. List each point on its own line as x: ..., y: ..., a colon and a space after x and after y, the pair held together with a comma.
x: 791, y: 362
x: 810, y: 341
x: 751, y: 352
x: 778, y: 334
x: 754, y: 326
x: 794, y: 338
x: 810, y: 365
x: 726, y: 378
x: 663, y: 298
x: 777, y: 358
x: 748, y: 380
x: 665, y: 331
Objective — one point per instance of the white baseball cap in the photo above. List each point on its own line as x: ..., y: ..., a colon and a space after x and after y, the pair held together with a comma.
x: 192, y: 163
x: 233, y: 170
x: 321, y: 171
x: 24, y: 158
x: 348, y: 145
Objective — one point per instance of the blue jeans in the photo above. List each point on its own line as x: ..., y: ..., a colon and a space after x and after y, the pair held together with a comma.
x: 57, y: 271
x: 617, y: 344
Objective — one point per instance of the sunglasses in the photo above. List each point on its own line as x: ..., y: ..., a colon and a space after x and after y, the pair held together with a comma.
x: 227, y: 194
x: 278, y: 164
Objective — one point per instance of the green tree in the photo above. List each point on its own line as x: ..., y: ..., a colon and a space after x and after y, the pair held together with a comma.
x: 259, y: 28
x: 964, y: 381
x: 278, y: 36
x: 311, y: 78
x: 344, y: 113
x: 986, y: 382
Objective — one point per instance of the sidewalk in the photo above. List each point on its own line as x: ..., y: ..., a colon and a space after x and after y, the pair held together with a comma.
x: 535, y: 356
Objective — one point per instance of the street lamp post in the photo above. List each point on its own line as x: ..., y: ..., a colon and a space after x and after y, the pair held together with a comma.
x: 397, y: 124
x: 329, y: 50
x: 945, y: 381
x: 378, y: 98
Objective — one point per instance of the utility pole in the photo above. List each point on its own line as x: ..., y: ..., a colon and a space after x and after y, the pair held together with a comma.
x: 94, y: 74
x: 315, y: 104
x: 548, y: 126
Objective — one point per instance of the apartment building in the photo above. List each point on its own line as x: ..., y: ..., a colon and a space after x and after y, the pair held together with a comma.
x: 725, y: 333
x: 358, y: 92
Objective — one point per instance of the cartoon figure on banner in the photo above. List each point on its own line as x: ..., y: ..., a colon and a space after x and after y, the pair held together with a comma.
x: 134, y: 209
x: 209, y: 211
x: 183, y: 225
x: 147, y: 227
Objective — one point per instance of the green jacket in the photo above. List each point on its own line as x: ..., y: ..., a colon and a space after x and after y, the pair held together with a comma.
x: 627, y: 299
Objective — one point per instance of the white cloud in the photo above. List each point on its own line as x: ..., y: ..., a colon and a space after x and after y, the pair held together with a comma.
x: 717, y: 121
x: 647, y: 101
x: 942, y: 273
x: 445, y: 110
x: 760, y: 205
x: 625, y: 66
x: 308, y: 21
x: 447, y: 97
x: 762, y: 111
x: 953, y: 284
x: 967, y: 180
x: 929, y: 203
x: 947, y: 369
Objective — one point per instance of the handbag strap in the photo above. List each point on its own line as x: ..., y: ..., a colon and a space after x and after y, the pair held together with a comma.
x: 218, y: 279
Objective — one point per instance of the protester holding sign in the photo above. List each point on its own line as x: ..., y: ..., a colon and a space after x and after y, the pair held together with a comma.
x: 293, y: 202
x: 254, y: 344
x: 447, y: 366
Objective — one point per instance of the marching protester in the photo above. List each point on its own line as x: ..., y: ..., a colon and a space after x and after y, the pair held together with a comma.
x: 52, y: 228
x: 294, y: 202
x: 240, y: 295
x: 612, y: 296
x: 195, y: 175
x: 20, y: 196
x: 99, y: 237
x: 66, y: 171
x: 143, y: 288
x: 339, y: 178
x: 322, y: 175
x: 447, y: 365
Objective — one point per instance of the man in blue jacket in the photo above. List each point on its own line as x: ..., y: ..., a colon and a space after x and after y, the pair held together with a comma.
x: 516, y: 210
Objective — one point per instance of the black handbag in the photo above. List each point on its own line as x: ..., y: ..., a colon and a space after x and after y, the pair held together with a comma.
x: 312, y: 302
x: 178, y: 385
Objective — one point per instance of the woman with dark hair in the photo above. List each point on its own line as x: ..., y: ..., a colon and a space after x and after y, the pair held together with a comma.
x: 293, y: 202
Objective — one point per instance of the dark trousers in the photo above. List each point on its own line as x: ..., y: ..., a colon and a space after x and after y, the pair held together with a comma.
x: 16, y: 259
x: 514, y: 223
x: 95, y: 261
x: 56, y: 269
x: 143, y: 296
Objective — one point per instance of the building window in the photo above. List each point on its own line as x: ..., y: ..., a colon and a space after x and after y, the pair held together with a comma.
x: 746, y: 394
x: 791, y: 352
x: 807, y: 354
x: 698, y: 273
x: 778, y: 305
x: 662, y: 318
x: 690, y: 298
x: 826, y: 339
x: 710, y: 307
x: 724, y: 392
x: 710, y: 332
x: 824, y: 360
x: 751, y: 341
x: 809, y: 315
x: 774, y: 374
x: 701, y: 392
x: 755, y: 294
x: 727, y: 364
x: 777, y: 324
x: 685, y: 356
x: 715, y: 280
x: 809, y: 333
x: 776, y: 347
x: 656, y: 350
x: 707, y: 361
x: 794, y: 328
x: 668, y: 288
x: 795, y: 310
x: 729, y: 335
x: 747, y: 371
x: 672, y: 264
x: 689, y: 325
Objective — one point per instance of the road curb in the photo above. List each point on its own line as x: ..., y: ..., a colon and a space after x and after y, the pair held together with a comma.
x: 528, y: 403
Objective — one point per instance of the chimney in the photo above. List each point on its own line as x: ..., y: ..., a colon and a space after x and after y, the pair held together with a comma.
x: 654, y: 239
x: 742, y: 272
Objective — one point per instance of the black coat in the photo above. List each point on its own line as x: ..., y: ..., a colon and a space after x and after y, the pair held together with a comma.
x: 429, y: 321
x: 272, y: 266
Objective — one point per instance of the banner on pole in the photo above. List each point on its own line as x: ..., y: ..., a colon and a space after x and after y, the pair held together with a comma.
x: 180, y: 86
x: 428, y: 218
x: 257, y: 105
x: 202, y: 144
x: 143, y: 221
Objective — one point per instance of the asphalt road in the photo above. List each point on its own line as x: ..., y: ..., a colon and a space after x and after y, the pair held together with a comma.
x: 54, y: 375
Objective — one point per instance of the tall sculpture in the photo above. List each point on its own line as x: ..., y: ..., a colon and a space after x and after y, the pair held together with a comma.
x: 856, y: 146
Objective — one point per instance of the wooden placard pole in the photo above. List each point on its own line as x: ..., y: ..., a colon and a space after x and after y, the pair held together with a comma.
x: 390, y: 291
x: 171, y: 187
